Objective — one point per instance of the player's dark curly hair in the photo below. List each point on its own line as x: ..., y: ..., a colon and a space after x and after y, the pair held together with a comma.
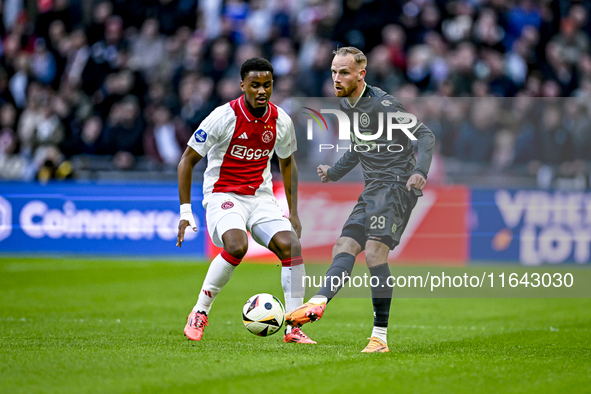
x: 255, y: 64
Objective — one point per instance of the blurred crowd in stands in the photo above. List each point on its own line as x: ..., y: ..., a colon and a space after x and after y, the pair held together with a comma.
x: 127, y: 81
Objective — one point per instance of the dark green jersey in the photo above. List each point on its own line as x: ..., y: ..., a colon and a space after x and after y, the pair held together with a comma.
x: 383, y: 159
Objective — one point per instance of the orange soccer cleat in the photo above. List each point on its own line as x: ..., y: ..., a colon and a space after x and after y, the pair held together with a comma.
x: 304, y: 314
x: 375, y: 345
x: 196, y: 322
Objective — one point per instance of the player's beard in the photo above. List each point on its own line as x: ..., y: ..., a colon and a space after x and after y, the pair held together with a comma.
x: 346, y: 91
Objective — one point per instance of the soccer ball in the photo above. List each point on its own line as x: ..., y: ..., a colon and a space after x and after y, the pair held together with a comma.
x: 263, y: 314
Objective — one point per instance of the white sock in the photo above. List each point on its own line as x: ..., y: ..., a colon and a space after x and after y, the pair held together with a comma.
x: 219, y: 273
x: 318, y: 299
x: 381, y: 333
x: 293, y: 294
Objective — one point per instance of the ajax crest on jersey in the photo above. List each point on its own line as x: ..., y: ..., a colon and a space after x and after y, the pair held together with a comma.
x: 267, y: 136
x: 263, y: 314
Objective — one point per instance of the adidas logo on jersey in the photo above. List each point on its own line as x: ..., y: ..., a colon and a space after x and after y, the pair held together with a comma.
x: 243, y: 136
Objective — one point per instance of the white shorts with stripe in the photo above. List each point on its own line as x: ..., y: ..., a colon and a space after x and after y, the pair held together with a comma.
x: 260, y: 215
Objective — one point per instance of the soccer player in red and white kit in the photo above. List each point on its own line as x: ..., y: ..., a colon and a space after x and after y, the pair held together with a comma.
x: 239, y: 139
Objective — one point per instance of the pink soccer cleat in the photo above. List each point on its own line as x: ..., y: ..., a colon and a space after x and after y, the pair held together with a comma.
x: 297, y: 336
x: 196, y: 322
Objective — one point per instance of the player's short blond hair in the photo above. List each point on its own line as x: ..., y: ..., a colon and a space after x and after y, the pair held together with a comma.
x: 359, y: 56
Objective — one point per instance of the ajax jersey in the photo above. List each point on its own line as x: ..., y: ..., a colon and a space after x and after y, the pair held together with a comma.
x: 239, y: 148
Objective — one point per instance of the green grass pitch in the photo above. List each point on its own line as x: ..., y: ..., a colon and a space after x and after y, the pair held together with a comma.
x: 116, y: 326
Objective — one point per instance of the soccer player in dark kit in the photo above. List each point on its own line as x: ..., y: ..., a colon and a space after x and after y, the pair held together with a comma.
x: 394, y: 179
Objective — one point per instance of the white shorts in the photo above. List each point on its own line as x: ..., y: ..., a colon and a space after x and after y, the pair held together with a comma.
x: 261, y: 216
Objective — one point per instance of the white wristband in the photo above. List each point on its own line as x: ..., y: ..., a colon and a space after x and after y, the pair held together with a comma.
x: 187, y: 214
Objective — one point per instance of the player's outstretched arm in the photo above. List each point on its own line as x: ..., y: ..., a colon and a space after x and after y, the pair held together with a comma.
x: 289, y: 173
x: 185, y: 177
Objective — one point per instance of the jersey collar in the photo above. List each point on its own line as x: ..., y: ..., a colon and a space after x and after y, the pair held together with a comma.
x: 356, y: 101
x: 250, y: 117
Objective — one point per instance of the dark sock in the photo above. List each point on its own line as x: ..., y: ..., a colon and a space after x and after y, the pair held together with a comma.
x: 342, y: 266
x: 381, y: 295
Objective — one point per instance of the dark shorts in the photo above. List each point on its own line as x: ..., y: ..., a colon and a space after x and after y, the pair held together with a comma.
x: 381, y: 214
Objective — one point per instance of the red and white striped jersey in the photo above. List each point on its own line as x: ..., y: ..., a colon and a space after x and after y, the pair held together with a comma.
x: 239, y: 148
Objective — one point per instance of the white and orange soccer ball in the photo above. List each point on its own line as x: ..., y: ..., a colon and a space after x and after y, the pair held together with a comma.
x: 263, y: 314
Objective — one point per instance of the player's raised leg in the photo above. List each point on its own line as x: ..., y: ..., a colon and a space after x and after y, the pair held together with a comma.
x: 235, y: 243
x: 339, y: 273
